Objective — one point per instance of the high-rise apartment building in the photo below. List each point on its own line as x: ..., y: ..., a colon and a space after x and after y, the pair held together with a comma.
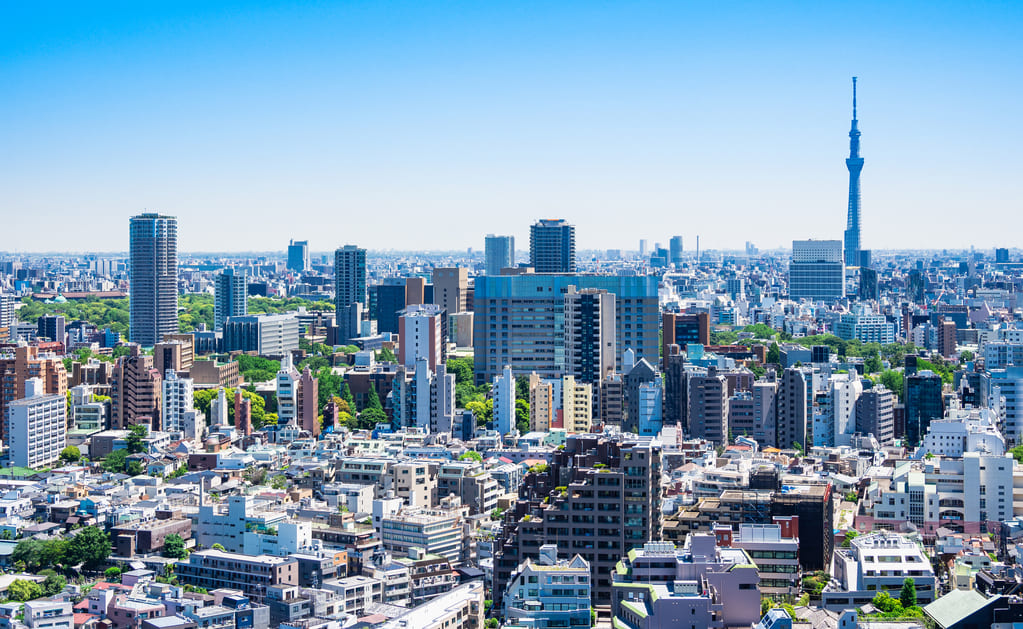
x: 136, y: 390
x: 176, y: 352
x: 51, y: 327
x: 875, y: 414
x: 298, y: 255
x: 451, y: 288
x: 552, y: 246
x: 590, y: 346
x: 35, y: 426
x: 504, y: 401
x: 676, y: 383
x: 178, y: 414
x: 230, y: 299
x: 6, y: 310
x: 424, y: 398
x: 500, y: 253
x: 519, y: 320
x: 349, y: 289
x: 708, y: 406
x: 153, y: 274
x: 817, y: 271
x: 25, y: 364
x: 419, y: 334
x: 622, y: 493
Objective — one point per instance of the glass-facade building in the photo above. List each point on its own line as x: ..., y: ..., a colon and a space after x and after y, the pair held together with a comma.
x: 520, y: 320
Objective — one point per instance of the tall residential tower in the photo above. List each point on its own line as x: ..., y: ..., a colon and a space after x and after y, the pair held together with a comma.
x: 855, y: 165
x: 153, y: 291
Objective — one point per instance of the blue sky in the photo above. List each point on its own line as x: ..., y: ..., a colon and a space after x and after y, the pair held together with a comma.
x: 426, y: 125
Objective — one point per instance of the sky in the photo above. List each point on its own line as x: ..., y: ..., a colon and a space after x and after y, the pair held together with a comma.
x: 427, y: 125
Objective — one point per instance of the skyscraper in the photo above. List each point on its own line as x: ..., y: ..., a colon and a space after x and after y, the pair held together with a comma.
x: 590, y: 346
x: 230, y: 296
x: 675, y: 246
x: 153, y: 274
x: 298, y: 255
x: 552, y: 246
x: 500, y: 253
x: 349, y: 289
x: 855, y: 165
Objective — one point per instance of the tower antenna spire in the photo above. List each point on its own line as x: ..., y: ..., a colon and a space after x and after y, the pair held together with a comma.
x: 854, y: 98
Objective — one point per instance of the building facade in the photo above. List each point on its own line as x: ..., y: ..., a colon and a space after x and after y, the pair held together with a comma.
x: 153, y: 274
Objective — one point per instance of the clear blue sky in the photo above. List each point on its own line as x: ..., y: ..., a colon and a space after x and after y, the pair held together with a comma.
x: 427, y: 125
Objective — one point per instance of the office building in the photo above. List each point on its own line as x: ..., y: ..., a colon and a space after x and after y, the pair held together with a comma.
x: 879, y: 562
x: 708, y: 406
x: 636, y: 375
x: 765, y: 413
x: 549, y: 592
x: 500, y: 253
x: 270, y: 336
x: 459, y: 608
x: 153, y: 275
x: 135, y: 391
x: 816, y: 272
x: 27, y: 363
x: 297, y: 397
x: 947, y: 338
x: 419, y: 336
x: 868, y: 285
x: 875, y: 414
x: 87, y: 413
x: 1001, y: 255
x: 50, y: 327
x: 394, y: 294
x: 435, y: 531
x: 519, y: 320
x: 682, y: 329
x: 36, y: 426
x: 855, y: 164
x: 675, y: 250
x: 676, y: 383
x: 924, y: 404
x: 774, y: 548
x: 230, y: 298
x: 349, y: 290
x: 700, y: 585
x: 298, y: 256
x: 590, y: 345
x: 866, y: 327
x: 650, y: 396
x: 552, y: 246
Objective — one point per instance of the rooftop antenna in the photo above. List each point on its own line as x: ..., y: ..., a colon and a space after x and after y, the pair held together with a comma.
x: 854, y: 98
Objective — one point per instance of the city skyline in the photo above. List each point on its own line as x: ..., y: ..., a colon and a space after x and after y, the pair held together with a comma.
x: 692, y: 116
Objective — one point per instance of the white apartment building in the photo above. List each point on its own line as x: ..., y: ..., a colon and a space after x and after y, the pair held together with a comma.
x: 962, y: 431
x: 177, y: 410
x: 36, y: 426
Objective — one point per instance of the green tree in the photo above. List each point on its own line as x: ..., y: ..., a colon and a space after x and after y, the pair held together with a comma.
x: 71, y: 454
x: 774, y: 354
x: 522, y: 415
x: 893, y: 381
x: 174, y: 547
x: 850, y: 535
x: 136, y: 438
x: 386, y: 356
x: 522, y: 388
x: 873, y: 364
x: 90, y: 547
x: 280, y: 481
x: 462, y: 368
x: 28, y: 552
x: 135, y: 467
x: 908, y: 594
x: 886, y: 603
x: 116, y: 461
x: 54, y: 552
x: 346, y: 395
x: 23, y: 590
x: 112, y: 574
x: 217, y: 546
x: 54, y: 584
x: 483, y: 411
x: 471, y: 455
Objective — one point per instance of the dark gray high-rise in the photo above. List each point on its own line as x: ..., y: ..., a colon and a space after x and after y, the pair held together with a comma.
x: 153, y: 276
x: 349, y: 290
x: 552, y: 246
x: 855, y: 165
x: 230, y: 297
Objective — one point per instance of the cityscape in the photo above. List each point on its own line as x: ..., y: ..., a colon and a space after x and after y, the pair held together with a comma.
x: 322, y: 425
